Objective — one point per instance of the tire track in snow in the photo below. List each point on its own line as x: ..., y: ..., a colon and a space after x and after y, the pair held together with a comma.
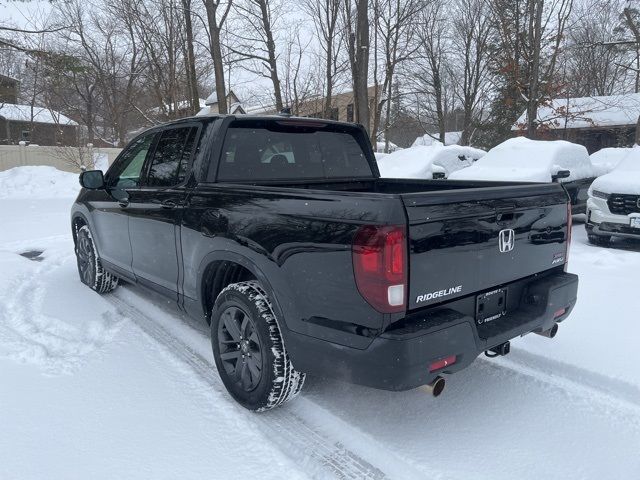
x: 320, y: 455
x: 622, y: 395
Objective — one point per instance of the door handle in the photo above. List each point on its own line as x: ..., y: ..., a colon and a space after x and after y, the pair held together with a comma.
x: 124, y: 203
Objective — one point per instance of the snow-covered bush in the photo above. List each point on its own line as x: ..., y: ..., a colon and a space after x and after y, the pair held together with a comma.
x: 521, y: 159
x: 423, y: 161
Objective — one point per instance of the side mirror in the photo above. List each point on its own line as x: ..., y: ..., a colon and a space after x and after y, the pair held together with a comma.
x: 561, y: 174
x: 438, y: 175
x: 92, y: 179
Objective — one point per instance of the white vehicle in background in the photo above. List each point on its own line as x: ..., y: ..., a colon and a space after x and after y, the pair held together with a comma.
x: 427, y: 162
x: 521, y: 159
x: 613, y: 208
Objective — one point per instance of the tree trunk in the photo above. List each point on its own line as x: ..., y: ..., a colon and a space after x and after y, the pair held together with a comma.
x: 216, y: 56
x: 271, y: 52
x: 535, y: 32
x: 329, y: 80
x: 362, y: 64
x: 638, y: 132
x: 192, y: 79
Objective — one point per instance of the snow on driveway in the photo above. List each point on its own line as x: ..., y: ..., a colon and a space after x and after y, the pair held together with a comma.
x: 122, y: 386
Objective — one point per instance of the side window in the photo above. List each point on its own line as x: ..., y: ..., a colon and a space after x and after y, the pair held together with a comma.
x: 127, y: 175
x: 171, y: 157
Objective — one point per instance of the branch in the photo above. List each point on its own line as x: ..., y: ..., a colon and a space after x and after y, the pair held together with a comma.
x: 45, y: 30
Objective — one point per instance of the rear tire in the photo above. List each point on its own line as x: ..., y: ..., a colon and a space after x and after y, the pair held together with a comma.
x: 90, y: 268
x: 249, y: 351
x: 599, y: 240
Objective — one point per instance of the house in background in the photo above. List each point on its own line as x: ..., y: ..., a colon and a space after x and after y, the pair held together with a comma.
x: 595, y: 122
x: 9, y: 88
x: 175, y: 110
x: 342, y: 107
x: 31, y: 124
x: 37, y: 125
x: 211, y: 104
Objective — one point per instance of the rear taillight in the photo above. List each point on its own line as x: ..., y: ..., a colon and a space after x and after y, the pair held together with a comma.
x: 380, y: 266
x: 569, y: 226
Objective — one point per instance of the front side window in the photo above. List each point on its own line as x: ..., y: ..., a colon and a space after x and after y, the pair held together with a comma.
x: 129, y: 168
x: 171, y: 157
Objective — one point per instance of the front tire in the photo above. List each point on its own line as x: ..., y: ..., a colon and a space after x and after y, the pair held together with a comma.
x: 599, y: 240
x: 90, y: 268
x: 249, y: 351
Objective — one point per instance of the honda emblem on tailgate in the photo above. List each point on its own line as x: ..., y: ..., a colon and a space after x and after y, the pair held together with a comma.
x: 506, y: 240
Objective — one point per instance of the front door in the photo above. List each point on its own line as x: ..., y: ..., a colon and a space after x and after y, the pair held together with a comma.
x: 110, y: 219
x: 155, y: 210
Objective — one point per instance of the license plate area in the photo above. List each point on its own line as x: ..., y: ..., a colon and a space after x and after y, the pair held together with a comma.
x: 491, y: 306
x: 634, y: 222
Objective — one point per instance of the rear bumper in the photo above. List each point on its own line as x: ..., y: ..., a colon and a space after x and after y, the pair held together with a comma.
x: 399, y: 358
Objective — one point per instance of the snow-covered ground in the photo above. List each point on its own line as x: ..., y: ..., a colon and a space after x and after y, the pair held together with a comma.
x: 122, y: 386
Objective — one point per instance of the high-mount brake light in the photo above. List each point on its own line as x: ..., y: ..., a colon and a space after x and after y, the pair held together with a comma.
x: 380, y: 266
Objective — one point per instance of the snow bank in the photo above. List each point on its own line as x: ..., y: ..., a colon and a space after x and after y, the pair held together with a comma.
x: 422, y: 161
x: 426, y: 140
x: 607, y: 159
x: 38, y: 182
x: 625, y: 178
x: 521, y: 159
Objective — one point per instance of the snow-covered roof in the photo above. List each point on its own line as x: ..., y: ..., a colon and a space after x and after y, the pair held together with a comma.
x: 523, y: 160
x: 22, y: 113
x: 585, y: 112
x: 213, y: 98
x: 207, y: 110
x: 450, y: 138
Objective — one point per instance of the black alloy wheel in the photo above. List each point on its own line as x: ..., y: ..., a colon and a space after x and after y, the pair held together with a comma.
x: 240, y: 348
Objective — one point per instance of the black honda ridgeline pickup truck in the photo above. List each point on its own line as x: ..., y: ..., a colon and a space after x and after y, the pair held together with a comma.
x: 280, y: 234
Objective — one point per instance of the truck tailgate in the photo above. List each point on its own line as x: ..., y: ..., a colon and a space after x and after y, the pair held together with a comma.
x: 480, y: 238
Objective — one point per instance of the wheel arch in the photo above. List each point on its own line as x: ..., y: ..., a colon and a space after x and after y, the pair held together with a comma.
x: 78, y: 220
x: 222, y: 268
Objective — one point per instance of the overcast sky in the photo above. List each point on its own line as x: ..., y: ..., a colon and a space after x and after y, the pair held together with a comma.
x: 22, y: 14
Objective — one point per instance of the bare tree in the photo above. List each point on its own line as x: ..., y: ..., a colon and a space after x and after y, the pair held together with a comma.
x: 471, y: 30
x: 396, y: 22
x: 356, y: 24
x: 430, y: 79
x: 190, y: 58
x: 325, y: 15
x: 595, y: 66
x: 300, y: 80
x: 256, y: 40
x: 217, y: 13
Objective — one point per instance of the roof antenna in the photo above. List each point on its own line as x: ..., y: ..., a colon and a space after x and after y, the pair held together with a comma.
x: 285, y: 112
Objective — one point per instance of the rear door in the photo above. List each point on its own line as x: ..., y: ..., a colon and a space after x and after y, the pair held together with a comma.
x: 465, y: 241
x: 155, y: 210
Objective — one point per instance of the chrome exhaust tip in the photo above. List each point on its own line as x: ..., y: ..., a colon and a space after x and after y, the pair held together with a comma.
x: 549, y: 333
x: 436, y: 387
